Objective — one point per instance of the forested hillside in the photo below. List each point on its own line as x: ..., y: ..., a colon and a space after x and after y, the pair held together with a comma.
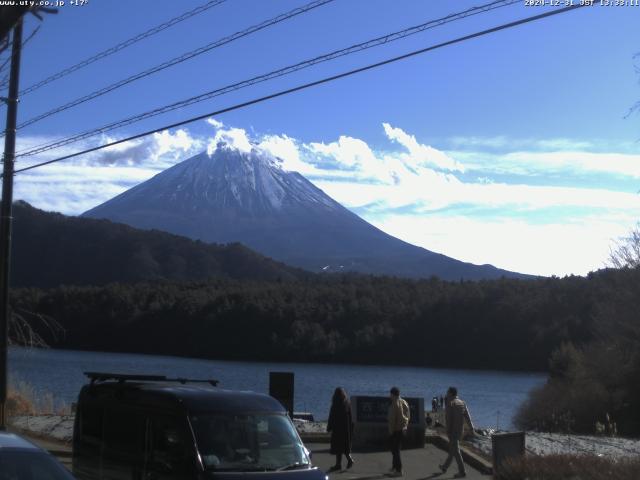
x: 227, y: 302
x: 500, y: 324
x: 50, y: 249
x: 598, y: 381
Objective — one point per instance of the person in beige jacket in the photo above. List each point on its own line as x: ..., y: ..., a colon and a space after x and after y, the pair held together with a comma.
x: 456, y: 413
x: 398, y: 420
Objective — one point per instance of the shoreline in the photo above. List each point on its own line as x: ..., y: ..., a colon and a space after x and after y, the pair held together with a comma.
x: 60, y: 374
x: 59, y: 428
x: 282, y: 362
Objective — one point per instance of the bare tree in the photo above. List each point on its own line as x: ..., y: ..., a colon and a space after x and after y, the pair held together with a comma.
x: 24, y: 331
x: 626, y: 252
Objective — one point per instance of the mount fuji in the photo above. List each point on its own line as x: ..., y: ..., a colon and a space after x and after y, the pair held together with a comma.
x: 234, y: 196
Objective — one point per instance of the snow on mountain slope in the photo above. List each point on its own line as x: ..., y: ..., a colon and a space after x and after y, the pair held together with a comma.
x: 235, y: 196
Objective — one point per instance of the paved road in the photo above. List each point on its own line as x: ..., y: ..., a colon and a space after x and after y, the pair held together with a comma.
x: 418, y: 463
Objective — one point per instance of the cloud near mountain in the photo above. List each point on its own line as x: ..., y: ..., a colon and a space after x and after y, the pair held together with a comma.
x: 504, y: 191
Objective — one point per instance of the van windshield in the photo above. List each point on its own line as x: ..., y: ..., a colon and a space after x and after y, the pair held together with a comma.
x: 257, y: 442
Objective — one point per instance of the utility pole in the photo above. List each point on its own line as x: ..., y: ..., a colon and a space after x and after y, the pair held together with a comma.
x: 9, y: 16
x: 6, y: 212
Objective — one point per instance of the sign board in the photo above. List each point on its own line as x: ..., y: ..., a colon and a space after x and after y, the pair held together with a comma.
x: 506, y: 445
x: 375, y: 409
x: 281, y: 388
x: 371, y: 428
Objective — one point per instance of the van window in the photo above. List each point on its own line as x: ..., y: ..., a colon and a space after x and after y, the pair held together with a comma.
x: 232, y: 442
x: 171, y: 446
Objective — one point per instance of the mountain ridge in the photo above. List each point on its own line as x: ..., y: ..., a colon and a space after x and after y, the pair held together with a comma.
x: 51, y: 249
x: 233, y: 196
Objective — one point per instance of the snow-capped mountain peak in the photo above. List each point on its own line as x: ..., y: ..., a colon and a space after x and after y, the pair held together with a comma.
x: 237, y: 192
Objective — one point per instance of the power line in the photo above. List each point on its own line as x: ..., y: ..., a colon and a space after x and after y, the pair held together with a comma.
x: 177, y: 60
x: 4, y: 65
x: 5, y: 81
x: 122, y: 45
x: 5, y: 44
x: 312, y: 84
x: 271, y: 75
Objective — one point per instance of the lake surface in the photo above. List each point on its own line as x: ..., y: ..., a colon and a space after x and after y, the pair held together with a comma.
x: 493, y: 397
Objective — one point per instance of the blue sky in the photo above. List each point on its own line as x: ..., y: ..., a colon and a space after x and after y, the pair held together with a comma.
x: 514, y: 149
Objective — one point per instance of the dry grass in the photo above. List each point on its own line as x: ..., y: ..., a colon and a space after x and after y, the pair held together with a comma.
x: 574, y: 467
x: 23, y: 399
x: 19, y: 403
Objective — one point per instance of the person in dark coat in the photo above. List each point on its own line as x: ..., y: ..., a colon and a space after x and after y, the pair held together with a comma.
x: 340, y: 425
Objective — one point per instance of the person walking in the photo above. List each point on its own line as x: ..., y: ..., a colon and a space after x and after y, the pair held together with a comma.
x: 456, y: 413
x: 398, y: 420
x: 340, y: 425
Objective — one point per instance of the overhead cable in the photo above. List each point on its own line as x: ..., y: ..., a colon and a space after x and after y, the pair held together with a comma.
x: 122, y: 45
x: 271, y: 75
x: 312, y: 84
x: 175, y: 61
x: 5, y: 80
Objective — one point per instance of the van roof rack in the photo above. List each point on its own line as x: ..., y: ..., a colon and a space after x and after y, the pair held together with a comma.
x: 122, y: 377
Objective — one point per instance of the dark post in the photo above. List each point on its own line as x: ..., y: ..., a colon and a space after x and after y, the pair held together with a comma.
x: 5, y: 212
x: 505, y: 446
x: 281, y: 388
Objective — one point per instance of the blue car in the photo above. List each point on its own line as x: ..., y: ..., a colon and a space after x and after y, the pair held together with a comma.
x: 22, y: 460
x: 150, y: 427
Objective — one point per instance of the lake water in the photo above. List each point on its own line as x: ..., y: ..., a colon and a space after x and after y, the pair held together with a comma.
x: 493, y: 397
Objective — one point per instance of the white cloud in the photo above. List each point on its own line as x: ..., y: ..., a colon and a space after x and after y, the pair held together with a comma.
x: 75, y: 185
x: 563, y: 144
x: 215, y: 123
x: 424, y: 188
x: 416, y: 192
x: 568, y: 163
x: 479, y: 142
x: 73, y: 189
x: 548, y: 249
x: 347, y: 151
x: 424, y: 154
x: 176, y: 144
x: 159, y: 150
x: 287, y: 152
x: 582, y: 162
x: 431, y: 192
x: 503, y: 142
x: 234, y: 137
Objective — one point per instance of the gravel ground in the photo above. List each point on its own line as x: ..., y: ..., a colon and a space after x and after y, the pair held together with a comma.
x: 552, y: 443
x: 58, y: 427
x: 304, y: 426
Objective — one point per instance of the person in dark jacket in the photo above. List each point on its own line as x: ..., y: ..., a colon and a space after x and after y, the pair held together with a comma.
x: 340, y: 425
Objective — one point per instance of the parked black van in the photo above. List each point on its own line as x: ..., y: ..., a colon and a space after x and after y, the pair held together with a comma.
x: 134, y: 427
